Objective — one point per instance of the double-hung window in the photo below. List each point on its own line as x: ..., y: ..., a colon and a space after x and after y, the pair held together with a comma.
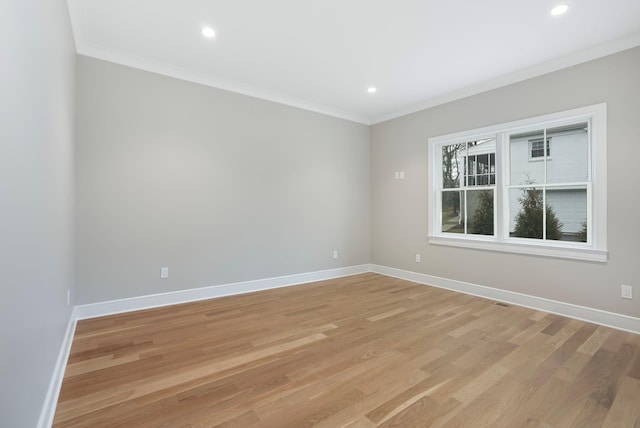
x: 499, y: 188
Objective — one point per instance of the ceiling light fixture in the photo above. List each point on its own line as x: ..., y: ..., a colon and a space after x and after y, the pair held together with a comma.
x: 208, y: 32
x: 371, y: 90
x: 559, y: 10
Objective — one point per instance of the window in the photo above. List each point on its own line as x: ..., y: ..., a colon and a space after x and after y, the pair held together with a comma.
x: 486, y: 193
x: 537, y: 149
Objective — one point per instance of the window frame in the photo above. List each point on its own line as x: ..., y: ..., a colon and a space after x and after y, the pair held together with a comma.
x: 595, y: 249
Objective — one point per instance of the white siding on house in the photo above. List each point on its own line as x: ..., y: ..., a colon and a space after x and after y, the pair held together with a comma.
x: 570, y: 207
x: 568, y: 160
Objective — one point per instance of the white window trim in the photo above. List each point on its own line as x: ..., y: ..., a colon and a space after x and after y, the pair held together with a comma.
x: 595, y: 250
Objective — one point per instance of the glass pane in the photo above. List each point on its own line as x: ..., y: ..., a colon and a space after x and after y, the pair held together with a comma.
x: 567, y: 214
x: 480, y: 212
x: 482, y: 164
x: 536, y: 149
x: 453, y: 212
x: 525, y: 213
x: 481, y: 160
x: 452, y: 165
x: 526, y: 169
x: 569, y: 154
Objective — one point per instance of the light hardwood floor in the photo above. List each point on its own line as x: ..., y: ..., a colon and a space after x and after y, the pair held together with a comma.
x: 362, y: 351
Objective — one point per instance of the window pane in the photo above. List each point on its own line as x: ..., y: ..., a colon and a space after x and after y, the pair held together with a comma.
x: 453, y: 212
x: 480, y: 161
x: 569, y: 154
x: 536, y: 149
x: 452, y: 165
x: 484, y: 152
x: 480, y: 212
x: 526, y: 169
x: 568, y: 209
x: 525, y: 213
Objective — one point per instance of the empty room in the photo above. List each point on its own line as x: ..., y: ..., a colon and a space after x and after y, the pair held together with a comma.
x: 319, y: 213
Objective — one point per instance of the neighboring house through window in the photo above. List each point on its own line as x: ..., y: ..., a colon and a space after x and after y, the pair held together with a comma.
x: 487, y: 193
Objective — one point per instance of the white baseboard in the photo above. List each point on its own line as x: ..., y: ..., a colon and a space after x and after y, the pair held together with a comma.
x: 596, y: 316
x: 175, y: 297
x: 51, y: 400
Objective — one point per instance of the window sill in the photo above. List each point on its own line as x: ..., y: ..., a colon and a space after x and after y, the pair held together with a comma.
x: 544, y: 250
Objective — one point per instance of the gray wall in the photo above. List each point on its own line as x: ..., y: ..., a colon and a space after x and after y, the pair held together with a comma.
x: 399, y: 207
x: 217, y: 186
x: 37, y: 68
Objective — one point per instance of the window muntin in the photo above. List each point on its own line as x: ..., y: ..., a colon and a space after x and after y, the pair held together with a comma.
x: 573, y: 221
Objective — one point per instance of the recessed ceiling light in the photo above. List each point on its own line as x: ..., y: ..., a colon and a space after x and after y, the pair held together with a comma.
x: 208, y: 32
x: 371, y: 90
x: 559, y: 10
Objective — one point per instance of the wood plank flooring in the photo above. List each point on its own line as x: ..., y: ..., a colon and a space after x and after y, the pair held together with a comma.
x: 362, y: 351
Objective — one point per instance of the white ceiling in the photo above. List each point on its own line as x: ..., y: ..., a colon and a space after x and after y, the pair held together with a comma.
x: 322, y: 55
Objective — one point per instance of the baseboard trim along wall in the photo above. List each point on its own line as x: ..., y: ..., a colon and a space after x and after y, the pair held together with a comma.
x: 595, y: 316
x: 51, y: 399
x: 184, y: 296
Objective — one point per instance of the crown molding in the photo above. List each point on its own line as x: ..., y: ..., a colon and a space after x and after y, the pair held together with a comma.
x: 615, y: 46
x: 78, y: 16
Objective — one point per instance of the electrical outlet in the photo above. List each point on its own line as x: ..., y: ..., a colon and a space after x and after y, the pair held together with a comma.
x: 164, y: 272
x: 418, y: 258
x: 335, y: 254
x: 396, y: 175
x: 626, y: 292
